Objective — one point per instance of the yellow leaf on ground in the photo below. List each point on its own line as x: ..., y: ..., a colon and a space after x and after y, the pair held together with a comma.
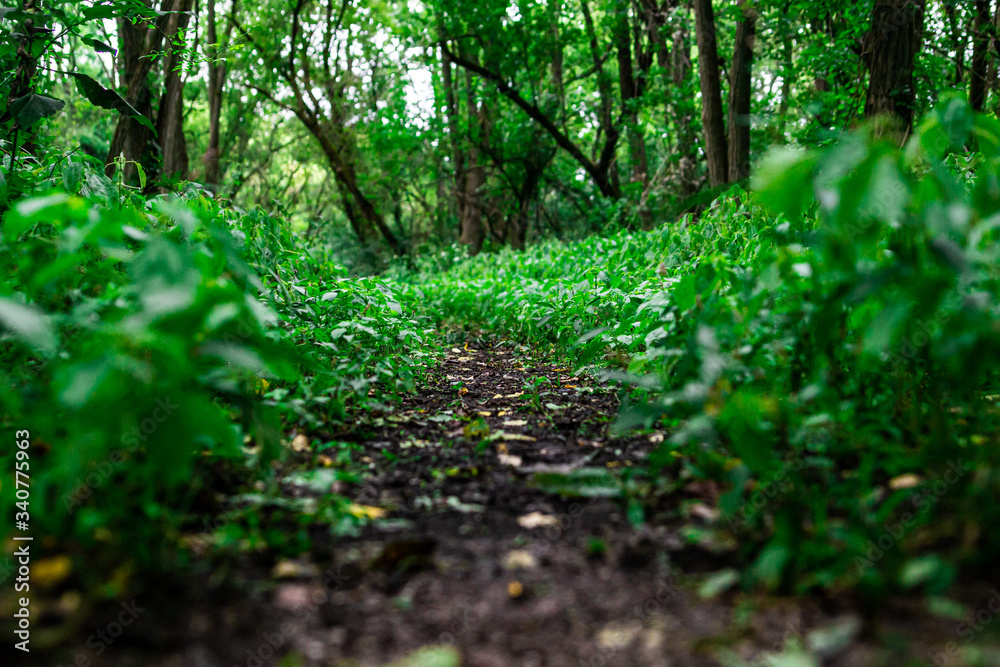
x: 51, y: 571
x: 518, y: 436
x: 463, y: 391
x: 515, y: 589
x: 515, y: 422
x: 365, y: 511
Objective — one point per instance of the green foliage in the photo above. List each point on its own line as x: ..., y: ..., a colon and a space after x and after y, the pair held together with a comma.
x: 146, y: 342
x: 818, y: 350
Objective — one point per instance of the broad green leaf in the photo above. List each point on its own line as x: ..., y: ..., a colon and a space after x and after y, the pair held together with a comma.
x: 29, y: 324
x: 31, y: 108
x: 102, y: 97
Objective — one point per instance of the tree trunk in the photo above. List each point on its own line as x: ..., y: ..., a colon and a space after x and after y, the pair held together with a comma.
x: 683, y: 109
x: 629, y: 89
x: 137, y: 45
x: 980, y: 47
x: 712, y: 118
x: 451, y: 106
x: 471, y: 207
x: 740, y: 95
x: 170, y: 118
x: 216, y: 83
x: 890, y: 49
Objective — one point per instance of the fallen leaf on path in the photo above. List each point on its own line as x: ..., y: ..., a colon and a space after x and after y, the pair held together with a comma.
x: 515, y: 589
x: 300, y: 443
x: 520, y: 393
x: 465, y: 359
x: 365, y: 511
x: 509, y: 460
x: 463, y: 391
x: 907, y: 481
x: 537, y: 520
x: 293, y: 569
x: 518, y: 436
x: 518, y: 559
x: 485, y: 413
x: 515, y: 422
x: 51, y: 571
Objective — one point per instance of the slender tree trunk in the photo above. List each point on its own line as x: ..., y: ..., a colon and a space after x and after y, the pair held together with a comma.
x: 787, y: 73
x: 471, y: 218
x: 740, y: 96
x: 683, y: 109
x: 451, y: 104
x: 980, y: 48
x: 712, y: 118
x: 138, y: 44
x: 958, y: 41
x: 170, y: 119
x: 629, y: 89
x: 890, y: 50
x: 216, y: 84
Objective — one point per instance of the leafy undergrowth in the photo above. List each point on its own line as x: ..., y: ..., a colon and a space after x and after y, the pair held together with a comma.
x: 156, y: 353
x: 816, y: 351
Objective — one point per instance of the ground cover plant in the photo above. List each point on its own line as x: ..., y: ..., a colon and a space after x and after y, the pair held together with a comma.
x: 475, y: 333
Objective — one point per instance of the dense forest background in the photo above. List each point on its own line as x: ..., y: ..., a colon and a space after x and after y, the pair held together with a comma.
x: 402, y: 125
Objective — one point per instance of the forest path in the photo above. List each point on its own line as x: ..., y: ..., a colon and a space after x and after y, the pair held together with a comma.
x: 500, y: 537
x: 506, y: 542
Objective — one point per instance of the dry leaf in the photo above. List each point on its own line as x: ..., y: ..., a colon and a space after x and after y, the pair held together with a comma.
x: 537, y: 520
x: 515, y: 422
x: 300, y: 443
x: 509, y: 460
x: 518, y: 436
x: 907, y: 481
x: 518, y: 559
x: 515, y: 589
x: 293, y: 569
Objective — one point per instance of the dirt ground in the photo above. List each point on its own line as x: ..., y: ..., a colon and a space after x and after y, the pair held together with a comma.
x: 502, y: 537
